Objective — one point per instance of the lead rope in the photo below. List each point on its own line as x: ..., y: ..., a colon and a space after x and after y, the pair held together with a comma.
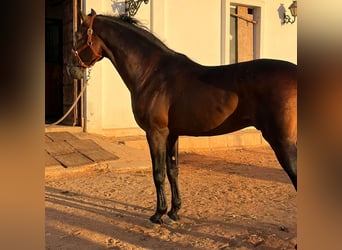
x: 75, y: 102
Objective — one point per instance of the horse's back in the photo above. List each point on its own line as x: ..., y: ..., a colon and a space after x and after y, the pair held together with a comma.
x: 216, y: 100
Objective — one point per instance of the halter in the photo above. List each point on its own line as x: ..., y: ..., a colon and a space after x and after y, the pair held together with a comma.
x: 88, y: 44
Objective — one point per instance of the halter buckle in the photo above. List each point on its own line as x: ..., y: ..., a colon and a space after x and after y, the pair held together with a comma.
x: 75, y: 52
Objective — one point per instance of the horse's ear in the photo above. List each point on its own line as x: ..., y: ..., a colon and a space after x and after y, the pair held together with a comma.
x: 93, y: 12
x: 84, y: 17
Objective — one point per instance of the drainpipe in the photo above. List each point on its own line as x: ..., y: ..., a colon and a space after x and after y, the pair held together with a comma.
x: 84, y: 96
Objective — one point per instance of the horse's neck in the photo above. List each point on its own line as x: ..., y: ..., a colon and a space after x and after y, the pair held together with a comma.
x: 133, y: 64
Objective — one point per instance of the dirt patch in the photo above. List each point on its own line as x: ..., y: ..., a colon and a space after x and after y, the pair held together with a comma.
x: 231, y: 199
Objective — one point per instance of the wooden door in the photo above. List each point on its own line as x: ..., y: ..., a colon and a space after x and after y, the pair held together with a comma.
x: 241, y: 33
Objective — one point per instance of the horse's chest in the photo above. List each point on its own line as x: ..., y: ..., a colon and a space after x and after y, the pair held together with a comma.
x: 151, y: 111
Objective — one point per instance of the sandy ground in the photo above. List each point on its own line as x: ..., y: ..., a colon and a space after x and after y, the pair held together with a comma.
x: 232, y: 199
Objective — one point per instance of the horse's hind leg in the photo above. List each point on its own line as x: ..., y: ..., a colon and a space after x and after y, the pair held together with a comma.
x: 287, y: 156
x: 172, y: 174
x: 286, y: 152
x: 279, y: 128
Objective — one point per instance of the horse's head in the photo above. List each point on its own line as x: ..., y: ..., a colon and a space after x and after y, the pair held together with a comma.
x: 87, y: 49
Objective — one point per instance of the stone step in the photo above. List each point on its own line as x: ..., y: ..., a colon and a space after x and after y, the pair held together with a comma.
x: 241, y: 138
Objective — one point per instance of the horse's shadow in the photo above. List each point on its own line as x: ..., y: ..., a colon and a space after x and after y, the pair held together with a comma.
x: 135, y: 218
x: 106, y: 208
x: 272, y: 173
x: 112, y: 211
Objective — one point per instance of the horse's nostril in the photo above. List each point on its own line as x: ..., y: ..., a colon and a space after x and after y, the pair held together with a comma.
x: 75, y: 72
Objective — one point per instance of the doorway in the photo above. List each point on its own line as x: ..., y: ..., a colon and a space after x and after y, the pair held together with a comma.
x: 60, y: 89
x: 53, y: 70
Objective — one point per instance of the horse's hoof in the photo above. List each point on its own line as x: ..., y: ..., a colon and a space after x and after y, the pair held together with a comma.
x: 169, y: 221
x: 156, y: 219
x: 173, y: 216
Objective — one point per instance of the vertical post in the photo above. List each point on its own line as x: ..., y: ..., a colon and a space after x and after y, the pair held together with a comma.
x: 223, y: 31
x: 257, y: 33
x: 82, y: 7
x: 74, y: 29
x: 68, y: 83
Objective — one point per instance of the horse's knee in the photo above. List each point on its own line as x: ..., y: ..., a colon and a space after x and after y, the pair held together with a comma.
x: 172, y: 172
x: 158, y: 177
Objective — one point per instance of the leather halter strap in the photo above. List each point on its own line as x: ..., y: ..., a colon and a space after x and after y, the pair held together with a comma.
x: 88, y: 44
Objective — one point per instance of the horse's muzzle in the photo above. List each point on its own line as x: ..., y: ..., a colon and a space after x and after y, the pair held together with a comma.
x: 75, y: 72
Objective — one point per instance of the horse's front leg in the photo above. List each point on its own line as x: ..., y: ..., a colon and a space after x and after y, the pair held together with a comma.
x: 172, y: 174
x: 157, y: 143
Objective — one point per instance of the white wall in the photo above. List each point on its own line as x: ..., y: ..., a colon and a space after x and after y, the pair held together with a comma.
x: 116, y: 97
x: 193, y: 27
x: 108, y: 103
x: 280, y: 40
x: 93, y: 95
x: 196, y: 28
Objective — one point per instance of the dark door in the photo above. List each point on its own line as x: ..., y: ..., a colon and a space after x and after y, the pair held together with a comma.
x: 53, y: 69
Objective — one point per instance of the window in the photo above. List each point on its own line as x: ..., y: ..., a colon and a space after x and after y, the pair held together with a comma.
x: 241, y: 34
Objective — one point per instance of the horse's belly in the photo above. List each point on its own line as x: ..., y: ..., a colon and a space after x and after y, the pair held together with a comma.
x: 205, y: 115
x: 230, y: 124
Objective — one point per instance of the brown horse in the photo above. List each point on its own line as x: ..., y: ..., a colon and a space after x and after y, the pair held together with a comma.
x: 173, y: 96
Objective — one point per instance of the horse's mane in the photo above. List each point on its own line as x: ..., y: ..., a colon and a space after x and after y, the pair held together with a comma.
x: 137, y: 26
x: 124, y: 18
x: 130, y: 20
